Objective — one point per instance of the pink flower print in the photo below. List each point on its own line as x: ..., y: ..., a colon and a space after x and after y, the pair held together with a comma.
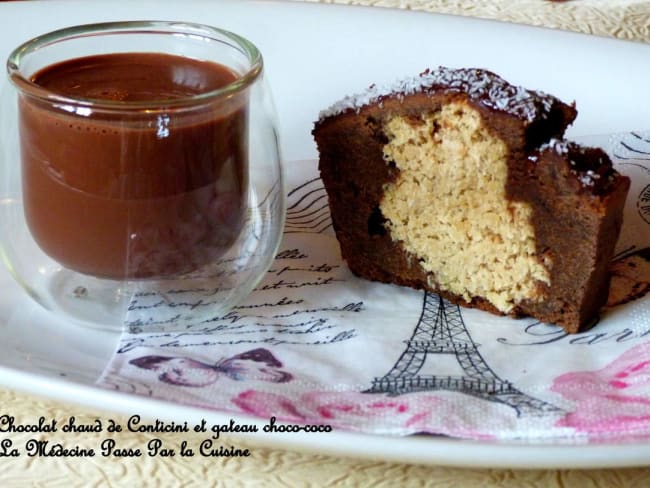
x: 634, y: 376
x: 611, y: 400
x: 350, y: 408
x: 267, y: 405
x: 363, y: 412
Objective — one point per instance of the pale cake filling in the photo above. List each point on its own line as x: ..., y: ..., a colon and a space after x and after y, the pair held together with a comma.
x: 448, y: 208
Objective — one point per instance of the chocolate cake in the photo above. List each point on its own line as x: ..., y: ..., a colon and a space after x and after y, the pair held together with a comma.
x: 459, y: 183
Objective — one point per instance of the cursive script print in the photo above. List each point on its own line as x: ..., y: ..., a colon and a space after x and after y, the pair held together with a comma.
x: 285, y: 308
x: 539, y: 334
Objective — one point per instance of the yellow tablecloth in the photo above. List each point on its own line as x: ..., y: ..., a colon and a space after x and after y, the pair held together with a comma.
x: 627, y: 19
x: 624, y: 19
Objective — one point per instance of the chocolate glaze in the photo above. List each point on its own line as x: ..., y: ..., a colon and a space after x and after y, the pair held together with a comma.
x: 591, y: 167
x: 130, y: 194
x: 480, y: 85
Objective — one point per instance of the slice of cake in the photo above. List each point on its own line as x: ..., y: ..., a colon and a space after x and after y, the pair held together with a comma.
x: 458, y: 182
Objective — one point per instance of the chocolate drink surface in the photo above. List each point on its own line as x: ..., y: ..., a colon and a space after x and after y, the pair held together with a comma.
x: 136, y: 183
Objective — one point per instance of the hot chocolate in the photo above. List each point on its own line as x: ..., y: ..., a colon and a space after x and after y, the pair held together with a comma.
x: 134, y: 183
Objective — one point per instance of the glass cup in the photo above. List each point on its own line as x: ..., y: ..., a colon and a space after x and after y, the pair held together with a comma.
x: 152, y: 214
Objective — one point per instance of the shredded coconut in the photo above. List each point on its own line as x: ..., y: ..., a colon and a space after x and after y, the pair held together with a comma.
x: 558, y: 146
x: 587, y: 176
x: 586, y: 180
x: 480, y: 85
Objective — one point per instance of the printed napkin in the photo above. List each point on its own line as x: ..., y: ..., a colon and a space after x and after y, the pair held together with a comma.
x: 313, y: 344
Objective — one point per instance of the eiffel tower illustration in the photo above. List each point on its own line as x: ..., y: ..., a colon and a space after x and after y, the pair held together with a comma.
x: 441, y: 330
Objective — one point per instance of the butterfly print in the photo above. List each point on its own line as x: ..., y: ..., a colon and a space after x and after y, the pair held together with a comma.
x: 254, y: 365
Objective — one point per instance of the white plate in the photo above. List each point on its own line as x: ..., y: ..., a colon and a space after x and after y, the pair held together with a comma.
x: 314, y: 55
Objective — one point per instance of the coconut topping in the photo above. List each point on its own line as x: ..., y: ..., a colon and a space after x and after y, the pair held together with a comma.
x: 591, y: 167
x: 560, y: 146
x: 480, y: 85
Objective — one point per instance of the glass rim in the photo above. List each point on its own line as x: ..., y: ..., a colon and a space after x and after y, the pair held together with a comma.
x: 242, y: 81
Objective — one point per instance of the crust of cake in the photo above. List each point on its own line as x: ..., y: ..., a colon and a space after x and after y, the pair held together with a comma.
x: 579, y: 227
x: 575, y: 246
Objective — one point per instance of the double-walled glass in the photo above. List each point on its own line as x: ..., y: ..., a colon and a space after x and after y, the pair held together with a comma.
x: 159, y: 213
